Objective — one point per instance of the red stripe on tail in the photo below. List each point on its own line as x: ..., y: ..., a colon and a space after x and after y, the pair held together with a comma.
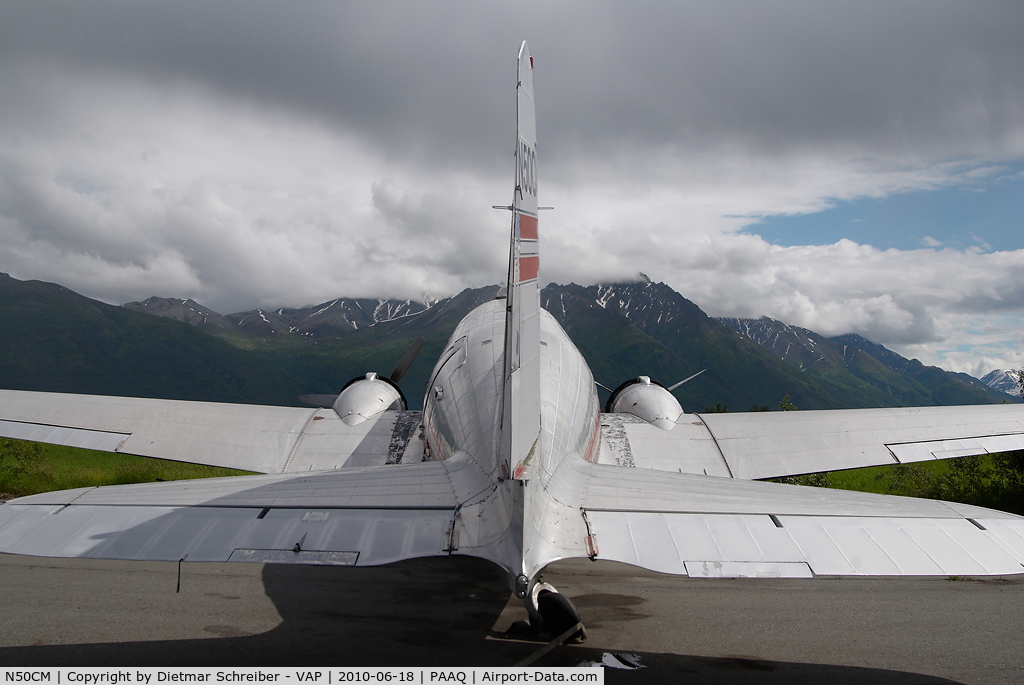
x: 528, y: 267
x: 527, y: 227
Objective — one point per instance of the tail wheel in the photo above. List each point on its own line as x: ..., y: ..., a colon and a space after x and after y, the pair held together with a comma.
x: 558, y: 614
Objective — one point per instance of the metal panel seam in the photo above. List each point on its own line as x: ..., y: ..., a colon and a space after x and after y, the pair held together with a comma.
x: 298, y: 440
x: 892, y: 454
x: 705, y: 512
x: 675, y: 543
x: 44, y: 424
x: 998, y: 540
x: 963, y: 549
x: 451, y: 543
x: 839, y: 549
x: 966, y: 437
x: 888, y: 556
x: 275, y: 507
x: 80, y: 495
x: 717, y: 446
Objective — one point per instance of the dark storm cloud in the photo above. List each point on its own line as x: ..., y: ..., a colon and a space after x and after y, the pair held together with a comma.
x: 382, y: 70
x: 424, y: 79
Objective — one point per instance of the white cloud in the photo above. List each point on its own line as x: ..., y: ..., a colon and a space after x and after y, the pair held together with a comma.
x: 188, y: 194
x: 184, y: 151
x: 981, y: 244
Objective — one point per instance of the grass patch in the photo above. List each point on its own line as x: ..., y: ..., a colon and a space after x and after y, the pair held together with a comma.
x: 909, y: 480
x: 27, y: 468
x: 995, y: 481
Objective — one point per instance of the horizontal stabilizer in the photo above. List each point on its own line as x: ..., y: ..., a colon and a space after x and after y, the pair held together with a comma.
x: 303, y: 536
x: 365, y: 516
x: 704, y: 526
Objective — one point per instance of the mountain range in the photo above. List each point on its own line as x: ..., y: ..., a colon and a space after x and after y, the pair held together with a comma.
x: 907, y: 381
x: 53, y: 339
x: 57, y: 340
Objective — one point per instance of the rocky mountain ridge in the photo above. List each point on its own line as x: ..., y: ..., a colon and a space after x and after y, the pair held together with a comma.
x: 907, y: 381
x: 642, y: 327
x: 623, y: 330
x: 333, y: 319
x: 1004, y: 380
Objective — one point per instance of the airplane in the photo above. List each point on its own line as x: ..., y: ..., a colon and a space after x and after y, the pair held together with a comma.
x: 512, y: 460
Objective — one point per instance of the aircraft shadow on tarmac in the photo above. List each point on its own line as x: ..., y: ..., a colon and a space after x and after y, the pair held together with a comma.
x: 426, y: 612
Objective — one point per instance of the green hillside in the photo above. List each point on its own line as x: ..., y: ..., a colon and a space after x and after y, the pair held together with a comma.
x: 53, y: 339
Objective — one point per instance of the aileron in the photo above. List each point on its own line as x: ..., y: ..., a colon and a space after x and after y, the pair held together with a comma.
x: 103, y: 441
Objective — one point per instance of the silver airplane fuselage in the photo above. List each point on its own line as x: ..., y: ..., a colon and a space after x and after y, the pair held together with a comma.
x: 502, y: 515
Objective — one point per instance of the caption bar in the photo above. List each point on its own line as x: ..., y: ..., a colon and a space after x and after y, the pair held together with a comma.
x: 290, y: 676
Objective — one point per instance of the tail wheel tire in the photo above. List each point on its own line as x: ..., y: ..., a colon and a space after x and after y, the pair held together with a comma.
x: 558, y: 614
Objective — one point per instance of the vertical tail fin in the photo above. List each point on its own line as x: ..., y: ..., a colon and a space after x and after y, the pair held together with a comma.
x: 520, y: 415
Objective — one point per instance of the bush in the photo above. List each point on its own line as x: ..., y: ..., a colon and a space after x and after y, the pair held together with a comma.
x: 816, y: 480
x: 17, y: 458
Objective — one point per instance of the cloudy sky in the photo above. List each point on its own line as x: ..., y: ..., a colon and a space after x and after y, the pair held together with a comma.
x: 851, y: 167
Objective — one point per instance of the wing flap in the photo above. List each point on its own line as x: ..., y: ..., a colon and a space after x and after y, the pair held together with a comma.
x: 274, y: 556
x: 947, y: 449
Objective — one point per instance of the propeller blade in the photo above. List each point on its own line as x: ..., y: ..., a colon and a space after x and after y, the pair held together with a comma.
x: 406, y: 361
x: 686, y: 379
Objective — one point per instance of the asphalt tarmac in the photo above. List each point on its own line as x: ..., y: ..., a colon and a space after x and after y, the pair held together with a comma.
x: 456, y: 612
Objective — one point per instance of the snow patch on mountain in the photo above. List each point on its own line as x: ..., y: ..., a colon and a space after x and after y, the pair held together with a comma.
x: 1003, y: 380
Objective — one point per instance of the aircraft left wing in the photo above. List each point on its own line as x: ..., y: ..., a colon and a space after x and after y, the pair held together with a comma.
x: 754, y: 445
x: 239, y: 436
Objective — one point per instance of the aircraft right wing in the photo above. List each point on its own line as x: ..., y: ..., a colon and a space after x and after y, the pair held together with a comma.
x: 755, y: 445
x: 240, y: 436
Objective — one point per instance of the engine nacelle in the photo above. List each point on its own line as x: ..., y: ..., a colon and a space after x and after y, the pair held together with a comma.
x: 365, y: 397
x: 648, y: 400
